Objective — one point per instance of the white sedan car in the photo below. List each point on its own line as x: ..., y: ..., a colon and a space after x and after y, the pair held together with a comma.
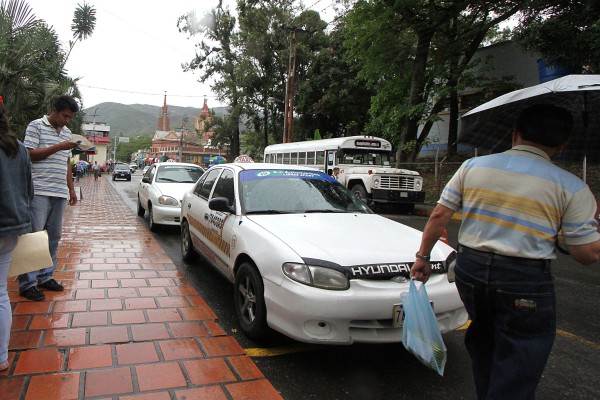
x: 161, y: 189
x: 307, y: 258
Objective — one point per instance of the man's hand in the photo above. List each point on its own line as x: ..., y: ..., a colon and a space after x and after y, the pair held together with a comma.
x: 72, y: 197
x: 420, y: 270
x: 67, y: 145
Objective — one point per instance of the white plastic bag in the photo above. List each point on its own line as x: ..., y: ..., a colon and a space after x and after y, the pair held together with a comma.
x: 420, y: 334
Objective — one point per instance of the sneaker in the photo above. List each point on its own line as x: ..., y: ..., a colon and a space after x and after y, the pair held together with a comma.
x: 33, y: 294
x: 4, y: 365
x: 52, y: 285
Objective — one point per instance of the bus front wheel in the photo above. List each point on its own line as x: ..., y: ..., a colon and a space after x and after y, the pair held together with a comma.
x: 359, y: 192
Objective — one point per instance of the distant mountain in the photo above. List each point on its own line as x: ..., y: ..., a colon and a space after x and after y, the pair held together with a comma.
x: 142, y: 119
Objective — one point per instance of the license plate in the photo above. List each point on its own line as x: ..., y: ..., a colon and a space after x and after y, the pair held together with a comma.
x: 403, y: 194
x: 397, y: 316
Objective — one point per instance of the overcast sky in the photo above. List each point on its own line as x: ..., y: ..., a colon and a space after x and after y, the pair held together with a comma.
x: 135, y: 53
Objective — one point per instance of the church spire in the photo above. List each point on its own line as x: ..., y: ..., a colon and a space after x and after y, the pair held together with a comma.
x: 163, y: 122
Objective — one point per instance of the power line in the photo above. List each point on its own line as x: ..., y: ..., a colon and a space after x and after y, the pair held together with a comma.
x: 145, y: 93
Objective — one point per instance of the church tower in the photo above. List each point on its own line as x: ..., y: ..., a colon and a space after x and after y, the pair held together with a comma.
x: 201, y: 119
x: 163, y: 122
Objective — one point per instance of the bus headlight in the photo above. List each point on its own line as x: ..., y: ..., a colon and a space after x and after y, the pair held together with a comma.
x: 376, y: 182
x: 418, y: 183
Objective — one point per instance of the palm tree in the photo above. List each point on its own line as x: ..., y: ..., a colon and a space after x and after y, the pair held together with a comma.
x: 32, y: 63
x: 84, y: 22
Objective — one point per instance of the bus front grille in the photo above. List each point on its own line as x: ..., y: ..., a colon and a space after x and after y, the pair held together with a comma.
x: 398, y: 183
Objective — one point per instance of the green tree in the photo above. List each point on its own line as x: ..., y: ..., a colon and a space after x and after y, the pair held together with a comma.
x: 82, y: 26
x: 217, y: 58
x: 332, y: 98
x: 567, y: 33
x: 414, y: 54
x: 126, y: 149
x: 263, y: 38
x: 31, y: 66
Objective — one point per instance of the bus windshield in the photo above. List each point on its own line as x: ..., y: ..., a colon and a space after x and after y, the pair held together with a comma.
x: 364, y: 157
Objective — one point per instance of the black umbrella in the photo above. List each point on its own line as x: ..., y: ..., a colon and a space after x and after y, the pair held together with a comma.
x: 490, y: 125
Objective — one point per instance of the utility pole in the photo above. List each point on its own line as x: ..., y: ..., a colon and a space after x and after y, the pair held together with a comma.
x: 183, y: 130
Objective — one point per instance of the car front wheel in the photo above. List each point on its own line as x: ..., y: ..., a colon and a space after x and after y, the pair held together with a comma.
x: 151, y: 224
x: 250, y: 302
x: 140, y: 209
x: 187, y: 248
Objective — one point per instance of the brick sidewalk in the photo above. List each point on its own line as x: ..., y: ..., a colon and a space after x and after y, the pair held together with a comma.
x: 128, y: 325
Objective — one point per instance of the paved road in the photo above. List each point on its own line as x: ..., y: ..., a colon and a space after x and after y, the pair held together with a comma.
x: 301, y: 371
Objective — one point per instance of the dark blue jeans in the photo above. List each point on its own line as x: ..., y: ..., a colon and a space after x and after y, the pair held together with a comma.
x: 513, y: 323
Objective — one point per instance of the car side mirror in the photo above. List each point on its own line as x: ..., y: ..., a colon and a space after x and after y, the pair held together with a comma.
x: 221, y: 204
x: 146, y: 179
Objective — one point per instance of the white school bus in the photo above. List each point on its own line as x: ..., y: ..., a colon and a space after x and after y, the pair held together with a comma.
x: 364, y: 164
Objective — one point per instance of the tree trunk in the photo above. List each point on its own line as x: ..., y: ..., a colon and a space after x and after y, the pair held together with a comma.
x: 417, y: 87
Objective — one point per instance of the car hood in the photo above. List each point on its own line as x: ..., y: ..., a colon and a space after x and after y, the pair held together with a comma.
x: 175, y: 190
x: 348, y: 239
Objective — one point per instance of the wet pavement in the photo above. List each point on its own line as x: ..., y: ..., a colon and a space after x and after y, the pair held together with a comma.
x: 128, y: 324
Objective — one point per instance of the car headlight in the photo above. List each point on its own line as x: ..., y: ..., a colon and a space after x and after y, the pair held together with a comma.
x: 376, y: 182
x: 168, y: 201
x: 320, y: 277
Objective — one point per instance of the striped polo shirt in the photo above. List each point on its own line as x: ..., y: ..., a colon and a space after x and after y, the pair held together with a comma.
x: 515, y: 203
x: 49, y: 174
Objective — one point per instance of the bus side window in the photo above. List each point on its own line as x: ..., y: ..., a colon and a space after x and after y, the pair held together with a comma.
x: 294, y: 159
x: 320, y: 158
x: 310, y: 157
x: 302, y: 158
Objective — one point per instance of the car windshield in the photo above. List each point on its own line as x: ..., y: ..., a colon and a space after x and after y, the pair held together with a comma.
x: 294, y: 191
x: 364, y: 157
x: 178, y: 174
x: 121, y: 167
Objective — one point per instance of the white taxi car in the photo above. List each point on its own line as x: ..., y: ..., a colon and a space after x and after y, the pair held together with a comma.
x: 161, y: 189
x: 306, y: 257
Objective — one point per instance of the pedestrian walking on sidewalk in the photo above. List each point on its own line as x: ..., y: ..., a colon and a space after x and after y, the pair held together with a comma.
x: 514, y: 205
x: 96, y: 170
x: 78, y: 170
x: 49, y: 143
x: 16, y: 193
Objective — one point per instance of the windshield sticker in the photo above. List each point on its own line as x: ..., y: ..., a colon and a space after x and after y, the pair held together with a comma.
x: 251, y: 175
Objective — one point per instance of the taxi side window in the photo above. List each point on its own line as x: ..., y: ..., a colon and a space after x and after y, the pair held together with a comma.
x: 224, y: 187
x: 206, y: 183
x: 150, y: 173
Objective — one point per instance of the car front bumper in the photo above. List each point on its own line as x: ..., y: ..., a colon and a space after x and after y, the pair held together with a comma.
x: 362, y: 313
x: 166, y: 215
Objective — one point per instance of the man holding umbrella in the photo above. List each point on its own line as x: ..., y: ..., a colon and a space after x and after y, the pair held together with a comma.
x: 514, y: 206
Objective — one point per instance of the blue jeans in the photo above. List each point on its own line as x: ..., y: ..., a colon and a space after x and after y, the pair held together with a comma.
x: 7, y: 245
x: 46, y: 213
x: 513, y: 324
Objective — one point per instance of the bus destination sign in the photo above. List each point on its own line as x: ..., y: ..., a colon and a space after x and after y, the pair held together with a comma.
x: 372, y: 144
